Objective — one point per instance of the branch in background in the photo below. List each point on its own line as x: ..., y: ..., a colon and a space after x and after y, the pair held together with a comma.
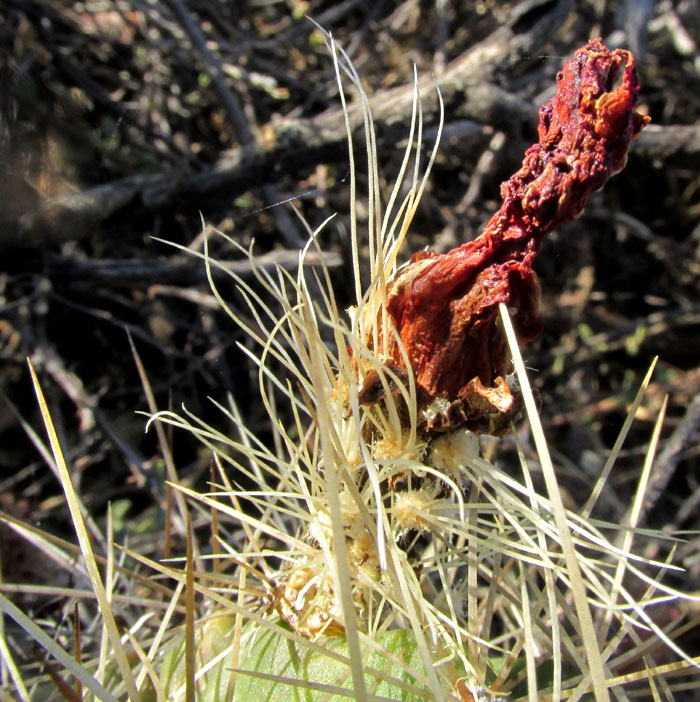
x: 684, y: 436
x: 185, y: 270
x: 295, y: 146
x: 286, y: 225
x: 74, y: 217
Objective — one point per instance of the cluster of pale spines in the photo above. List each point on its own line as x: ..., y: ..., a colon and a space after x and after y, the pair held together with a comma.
x: 373, y: 445
x: 346, y: 568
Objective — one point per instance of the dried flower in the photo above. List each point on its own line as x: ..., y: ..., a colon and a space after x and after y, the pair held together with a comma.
x: 445, y: 307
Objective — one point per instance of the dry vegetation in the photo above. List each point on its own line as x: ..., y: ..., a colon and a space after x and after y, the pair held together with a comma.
x: 126, y: 121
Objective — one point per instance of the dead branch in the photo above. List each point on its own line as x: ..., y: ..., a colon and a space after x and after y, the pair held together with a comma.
x: 184, y: 270
x: 684, y: 437
x: 293, y: 146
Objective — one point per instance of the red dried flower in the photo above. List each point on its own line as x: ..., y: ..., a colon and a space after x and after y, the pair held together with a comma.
x: 445, y: 307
